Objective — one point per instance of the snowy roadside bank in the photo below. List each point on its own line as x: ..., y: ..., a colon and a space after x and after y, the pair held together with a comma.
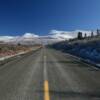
x: 86, y: 52
x: 86, y: 61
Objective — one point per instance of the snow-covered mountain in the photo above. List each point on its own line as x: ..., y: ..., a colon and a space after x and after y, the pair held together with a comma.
x: 30, y: 35
x: 51, y: 37
x: 27, y: 38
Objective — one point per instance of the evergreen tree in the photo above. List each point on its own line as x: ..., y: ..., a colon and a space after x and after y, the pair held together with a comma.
x: 85, y: 35
x: 92, y: 34
x: 79, y: 35
x: 98, y: 32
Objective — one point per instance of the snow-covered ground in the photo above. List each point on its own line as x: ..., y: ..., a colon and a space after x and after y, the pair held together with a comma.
x: 89, y: 51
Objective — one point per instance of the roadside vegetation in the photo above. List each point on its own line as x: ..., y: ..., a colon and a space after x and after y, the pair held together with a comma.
x: 10, y: 49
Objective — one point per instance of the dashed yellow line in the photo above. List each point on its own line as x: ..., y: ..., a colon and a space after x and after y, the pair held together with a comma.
x: 46, y: 90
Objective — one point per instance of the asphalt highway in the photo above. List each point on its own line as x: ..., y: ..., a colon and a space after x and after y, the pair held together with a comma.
x: 48, y: 74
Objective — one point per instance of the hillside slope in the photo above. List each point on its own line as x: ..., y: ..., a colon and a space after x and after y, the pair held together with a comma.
x: 89, y: 51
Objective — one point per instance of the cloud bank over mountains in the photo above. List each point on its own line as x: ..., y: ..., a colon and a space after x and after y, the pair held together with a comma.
x: 69, y: 34
x: 52, y: 36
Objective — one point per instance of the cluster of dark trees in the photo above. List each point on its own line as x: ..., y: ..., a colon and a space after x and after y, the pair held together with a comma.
x: 80, y: 34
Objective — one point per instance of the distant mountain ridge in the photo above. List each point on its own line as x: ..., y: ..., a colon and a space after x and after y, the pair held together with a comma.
x: 53, y: 36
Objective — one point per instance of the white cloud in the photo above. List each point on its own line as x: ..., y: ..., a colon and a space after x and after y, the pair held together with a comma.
x: 60, y: 34
x: 68, y: 34
x: 6, y: 38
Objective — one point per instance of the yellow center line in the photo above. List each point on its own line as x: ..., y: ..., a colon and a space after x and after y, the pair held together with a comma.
x: 46, y: 90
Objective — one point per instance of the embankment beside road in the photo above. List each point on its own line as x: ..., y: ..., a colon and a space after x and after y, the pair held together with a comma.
x: 6, y: 59
x: 89, y: 52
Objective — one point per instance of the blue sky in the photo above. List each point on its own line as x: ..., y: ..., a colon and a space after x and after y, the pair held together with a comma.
x: 40, y: 16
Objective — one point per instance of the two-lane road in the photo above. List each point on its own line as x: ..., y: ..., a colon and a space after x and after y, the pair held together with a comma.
x: 48, y: 75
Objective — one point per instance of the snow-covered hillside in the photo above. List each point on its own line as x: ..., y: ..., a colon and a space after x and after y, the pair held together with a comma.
x: 88, y: 51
